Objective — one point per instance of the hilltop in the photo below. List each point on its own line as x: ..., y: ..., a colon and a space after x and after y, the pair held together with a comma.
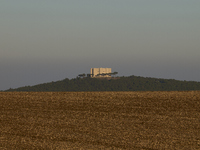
x: 131, y: 83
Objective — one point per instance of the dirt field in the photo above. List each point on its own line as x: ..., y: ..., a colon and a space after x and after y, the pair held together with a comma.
x: 99, y: 120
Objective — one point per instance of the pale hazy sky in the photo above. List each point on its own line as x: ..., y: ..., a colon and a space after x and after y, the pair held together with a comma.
x: 49, y: 40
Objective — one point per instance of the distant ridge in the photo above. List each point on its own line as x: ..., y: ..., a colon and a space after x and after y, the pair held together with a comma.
x: 131, y: 83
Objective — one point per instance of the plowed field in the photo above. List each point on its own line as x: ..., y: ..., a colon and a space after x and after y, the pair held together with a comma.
x: 99, y: 120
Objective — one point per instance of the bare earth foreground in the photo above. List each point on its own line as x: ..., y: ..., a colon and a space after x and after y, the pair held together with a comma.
x: 99, y: 120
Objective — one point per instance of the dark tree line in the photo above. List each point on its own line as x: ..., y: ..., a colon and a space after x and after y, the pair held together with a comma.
x: 100, y: 74
x: 131, y: 83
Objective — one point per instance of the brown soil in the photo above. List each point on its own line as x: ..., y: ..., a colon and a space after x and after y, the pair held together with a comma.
x: 100, y: 120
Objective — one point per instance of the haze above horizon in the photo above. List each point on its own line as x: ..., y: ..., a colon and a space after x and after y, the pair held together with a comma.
x: 44, y: 41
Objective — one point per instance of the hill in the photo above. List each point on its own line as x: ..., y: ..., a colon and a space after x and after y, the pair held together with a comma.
x: 131, y: 83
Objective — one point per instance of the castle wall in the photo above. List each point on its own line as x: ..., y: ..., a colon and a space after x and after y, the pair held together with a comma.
x: 95, y: 71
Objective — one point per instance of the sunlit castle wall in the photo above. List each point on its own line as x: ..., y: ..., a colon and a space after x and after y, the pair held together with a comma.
x: 95, y: 71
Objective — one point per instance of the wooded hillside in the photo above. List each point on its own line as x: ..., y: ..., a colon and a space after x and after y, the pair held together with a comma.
x: 131, y: 83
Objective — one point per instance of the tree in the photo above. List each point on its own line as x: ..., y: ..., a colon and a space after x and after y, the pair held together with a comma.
x: 81, y: 75
x: 109, y: 74
x: 114, y: 73
x: 89, y: 75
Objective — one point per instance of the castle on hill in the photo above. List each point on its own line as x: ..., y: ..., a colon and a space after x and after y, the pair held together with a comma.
x: 99, y: 73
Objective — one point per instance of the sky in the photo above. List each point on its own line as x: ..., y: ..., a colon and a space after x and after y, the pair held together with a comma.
x: 47, y: 40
